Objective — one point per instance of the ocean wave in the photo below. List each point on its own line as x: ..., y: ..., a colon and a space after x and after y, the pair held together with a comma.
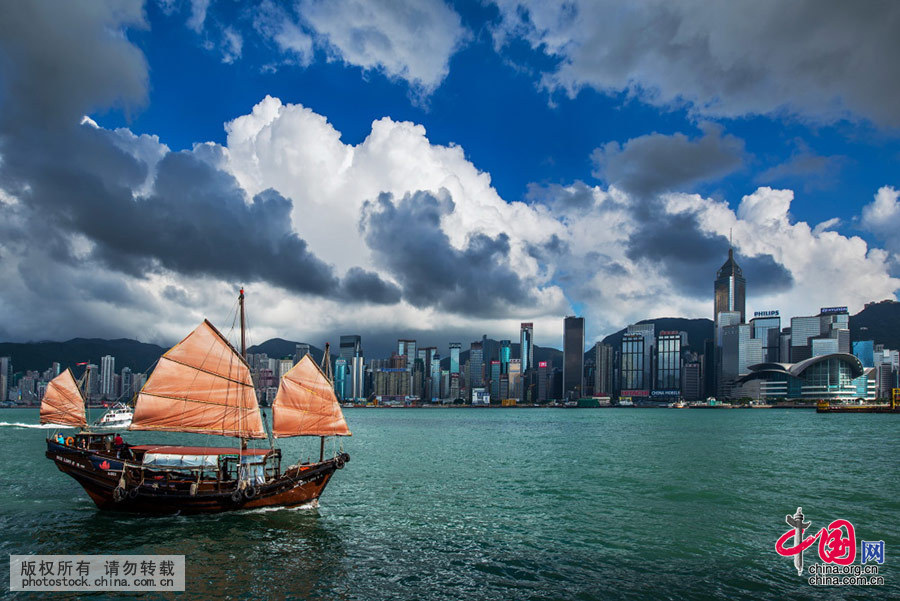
x: 38, y: 426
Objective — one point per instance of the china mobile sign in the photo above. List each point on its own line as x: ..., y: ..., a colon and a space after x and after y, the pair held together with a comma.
x: 837, y: 550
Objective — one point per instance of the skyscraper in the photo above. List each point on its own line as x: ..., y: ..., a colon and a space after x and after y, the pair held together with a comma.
x: 300, y: 351
x: 476, y: 365
x: 454, y: 357
x: 127, y: 384
x: 351, y: 352
x: 107, y: 377
x: 573, y: 356
x: 730, y: 288
x: 668, y: 361
x: 603, y: 373
x: 526, y: 346
x: 4, y: 378
x: 504, y: 356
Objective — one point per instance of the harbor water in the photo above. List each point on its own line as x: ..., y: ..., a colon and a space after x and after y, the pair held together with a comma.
x: 506, y: 504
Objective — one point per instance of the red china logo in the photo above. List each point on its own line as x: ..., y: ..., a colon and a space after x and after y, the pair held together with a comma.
x: 837, y: 551
x: 104, y: 465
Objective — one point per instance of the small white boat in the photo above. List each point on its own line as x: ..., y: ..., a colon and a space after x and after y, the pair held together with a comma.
x: 118, y: 416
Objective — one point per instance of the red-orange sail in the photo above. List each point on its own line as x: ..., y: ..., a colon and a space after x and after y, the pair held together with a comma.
x: 63, y: 402
x: 306, y: 404
x: 201, y: 385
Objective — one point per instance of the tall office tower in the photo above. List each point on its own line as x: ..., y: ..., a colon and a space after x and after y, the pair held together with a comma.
x: 526, y: 346
x: 633, y: 377
x: 92, y: 381
x: 445, y: 384
x: 55, y: 369
x: 431, y: 372
x: 730, y: 288
x: 603, y: 372
x: 543, y: 381
x: 648, y: 332
x: 5, y: 368
x: 730, y: 291
x: 300, y: 351
x: 408, y: 348
x: 766, y: 326
x: 476, y: 365
x: 454, y: 386
x: 284, y: 366
x: 802, y: 329
x: 835, y: 324
x: 107, y: 377
x: 127, y: 384
x: 668, y: 361
x: 573, y: 356
x: 504, y: 356
x: 454, y: 357
x: 691, y: 388
x: 340, y: 378
x: 495, y: 380
x: 515, y: 378
x: 351, y: 352
x: 739, y: 351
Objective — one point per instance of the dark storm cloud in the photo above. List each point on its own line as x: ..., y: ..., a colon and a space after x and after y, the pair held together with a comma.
x: 689, y: 258
x: 59, y: 61
x: 362, y: 284
x: 407, y: 239
x: 648, y: 165
x: 823, y: 60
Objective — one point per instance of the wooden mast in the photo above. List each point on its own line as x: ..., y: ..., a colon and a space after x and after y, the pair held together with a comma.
x: 243, y: 346
x: 326, y: 369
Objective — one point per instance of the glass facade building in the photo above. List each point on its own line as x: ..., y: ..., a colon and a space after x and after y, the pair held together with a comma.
x: 730, y: 288
x: 505, y: 356
x: 631, y: 363
x: 454, y: 357
x: 573, y: 356
x: 526, y: 346
x: 668, y: 361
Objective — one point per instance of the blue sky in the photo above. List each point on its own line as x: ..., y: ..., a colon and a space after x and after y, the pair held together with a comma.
x: 636, y: 137
x: 491, y: 104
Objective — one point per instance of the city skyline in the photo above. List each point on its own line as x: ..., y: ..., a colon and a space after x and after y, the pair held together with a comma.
x: 469, y: 175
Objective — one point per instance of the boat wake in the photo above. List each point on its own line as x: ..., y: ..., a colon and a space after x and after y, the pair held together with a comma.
x: 38, y: 426
x: 314, y: 504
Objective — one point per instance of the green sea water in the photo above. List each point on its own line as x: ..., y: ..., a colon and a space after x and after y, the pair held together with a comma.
x: 508, y: 504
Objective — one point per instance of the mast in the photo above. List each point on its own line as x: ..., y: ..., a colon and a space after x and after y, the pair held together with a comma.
x: 326, y: 369
x: 243, y: 348
x: 243, y: 335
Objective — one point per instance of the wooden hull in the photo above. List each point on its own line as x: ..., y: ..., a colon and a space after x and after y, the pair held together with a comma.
x: 101, y: 474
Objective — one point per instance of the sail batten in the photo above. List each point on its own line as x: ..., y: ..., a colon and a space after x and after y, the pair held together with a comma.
x: 306, y: 405
x: 63, y: 402
x: 201, y: 385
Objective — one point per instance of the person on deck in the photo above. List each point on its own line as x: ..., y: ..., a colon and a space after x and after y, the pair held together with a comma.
x: 118, y: 444
x: 60, y: 439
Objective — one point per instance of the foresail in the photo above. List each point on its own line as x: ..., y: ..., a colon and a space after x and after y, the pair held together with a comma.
x: 306, y: 405
x: 63, y: 402
x: 200, y: 385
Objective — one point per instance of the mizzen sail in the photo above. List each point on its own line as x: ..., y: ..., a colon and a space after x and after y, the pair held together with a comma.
x: 63, y: 402
x: 201, y: 385
x: 306, y: 404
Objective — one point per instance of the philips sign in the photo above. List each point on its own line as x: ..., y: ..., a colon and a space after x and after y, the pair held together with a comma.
x: 765, y: 314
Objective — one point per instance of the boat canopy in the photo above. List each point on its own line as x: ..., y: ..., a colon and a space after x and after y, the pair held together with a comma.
x: 201, y: 385
x: 63, y: 402
x: 306, y: 405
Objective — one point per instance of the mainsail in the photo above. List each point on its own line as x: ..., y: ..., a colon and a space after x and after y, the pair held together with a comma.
x: 200, y: 385
x: 306, y: 405
x: 63, y: 402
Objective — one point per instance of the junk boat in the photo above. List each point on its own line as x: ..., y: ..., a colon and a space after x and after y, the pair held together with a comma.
x: 202, y: 385
x: 118, y: 416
